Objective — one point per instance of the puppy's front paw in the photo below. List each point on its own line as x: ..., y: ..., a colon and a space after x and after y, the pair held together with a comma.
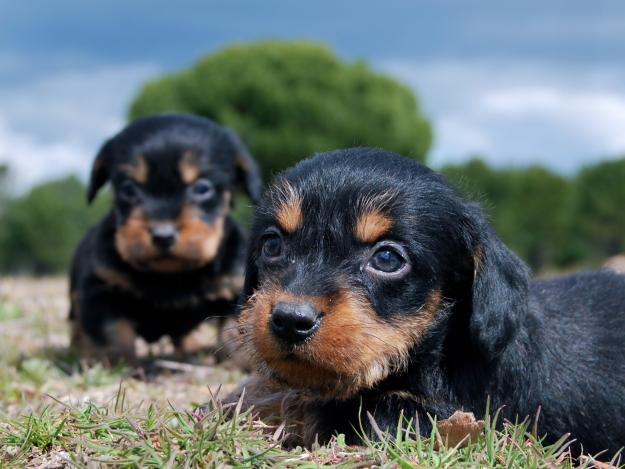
x: 119, y: 342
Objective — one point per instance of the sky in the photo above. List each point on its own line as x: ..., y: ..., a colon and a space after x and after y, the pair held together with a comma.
x: 517, y: 83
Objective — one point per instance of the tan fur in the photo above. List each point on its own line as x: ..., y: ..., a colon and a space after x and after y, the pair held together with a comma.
x: 477, y: 260
x: 353, y: 348
x: 198, y: 239
x: 138, y: 170
x: 228, y: 346
x: 225, y: 287
x: 198, y: 242
x: 114, y: 278
x: 187, y: 344
x: 188, y: 167
x: 242, y: 162
x: 132, y: 239
x: 119, y: 335
x: 405, y: 396
x: 289, y: 202
x: 371, y: 226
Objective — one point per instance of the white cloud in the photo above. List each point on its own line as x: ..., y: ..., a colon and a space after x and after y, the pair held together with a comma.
x: 511, y: 112
x: 54, y: 125
x: 31, y: 161
x: 516, y: 113
x: 597, y: 117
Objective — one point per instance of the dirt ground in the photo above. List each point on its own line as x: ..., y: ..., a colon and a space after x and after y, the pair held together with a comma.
x: 36, y: 366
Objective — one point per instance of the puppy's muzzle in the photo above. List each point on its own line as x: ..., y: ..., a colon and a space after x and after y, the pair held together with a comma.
x: 294, y: 322
x: 164, y: 236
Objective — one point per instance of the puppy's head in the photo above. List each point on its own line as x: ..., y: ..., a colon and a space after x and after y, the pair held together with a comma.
x: 358, y: 256
x: 172, y: 178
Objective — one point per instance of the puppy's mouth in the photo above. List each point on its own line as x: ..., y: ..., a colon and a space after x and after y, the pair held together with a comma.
x: 352, y: 349
x: 188, y: 244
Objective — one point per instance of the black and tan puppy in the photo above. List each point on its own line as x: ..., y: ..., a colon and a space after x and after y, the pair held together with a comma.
x: 168, y: 255
x: 372, y: 286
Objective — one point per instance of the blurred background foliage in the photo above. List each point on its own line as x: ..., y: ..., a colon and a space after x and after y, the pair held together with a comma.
x: 39, y: 230
x: 291, y: 99
x: 288, y: 100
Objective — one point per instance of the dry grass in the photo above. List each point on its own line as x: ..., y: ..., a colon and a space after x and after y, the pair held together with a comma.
x: 56, y: 411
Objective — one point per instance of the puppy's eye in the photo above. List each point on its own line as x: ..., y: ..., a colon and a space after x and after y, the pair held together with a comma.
x: 272, y: 246
x: 388, y: 259
x: 202, y: 190
x: 128, y: 191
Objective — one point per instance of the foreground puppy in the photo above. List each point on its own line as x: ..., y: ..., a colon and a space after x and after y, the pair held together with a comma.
x: 168, y: 255
x: 372, y: 287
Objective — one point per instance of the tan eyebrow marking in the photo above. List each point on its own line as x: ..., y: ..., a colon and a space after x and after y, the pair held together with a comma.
x: 372, y: 225
x: 289, y: 207
x: 138, y: 169
x: 188, y: 167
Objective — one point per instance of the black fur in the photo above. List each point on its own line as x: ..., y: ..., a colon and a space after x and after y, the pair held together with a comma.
x: 106, y: 287
x: 555, y: 344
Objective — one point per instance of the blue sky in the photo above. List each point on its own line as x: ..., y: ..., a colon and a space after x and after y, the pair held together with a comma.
x: 520, y: 83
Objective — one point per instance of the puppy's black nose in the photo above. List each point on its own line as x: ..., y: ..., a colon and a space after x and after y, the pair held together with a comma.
x: 164, y: 236
x: 294, y: 322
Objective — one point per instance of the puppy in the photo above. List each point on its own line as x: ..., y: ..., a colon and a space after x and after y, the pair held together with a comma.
x: 168, y: 255
x: 371, y: 286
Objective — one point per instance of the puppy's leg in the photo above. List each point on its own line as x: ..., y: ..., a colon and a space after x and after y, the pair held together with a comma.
x: 369, y: 415
x: 100, y: 331
x: 275, y: 405
x: 186, y: 344
x: 120, y: 340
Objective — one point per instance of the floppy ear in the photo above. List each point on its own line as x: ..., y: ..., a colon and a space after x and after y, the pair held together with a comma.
x: 247, y: 171
x: 100, y: 170
x: 499, y: 291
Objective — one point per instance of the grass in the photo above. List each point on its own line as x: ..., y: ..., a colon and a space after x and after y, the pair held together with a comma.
x: 122, y: 434
x: 58, y: 412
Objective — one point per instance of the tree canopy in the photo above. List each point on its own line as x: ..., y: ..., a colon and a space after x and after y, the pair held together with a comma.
x: 40, y: 230
x: 530, y: 208
x: 551, y: 221
x: 289, y: 100
x: 599, y: 200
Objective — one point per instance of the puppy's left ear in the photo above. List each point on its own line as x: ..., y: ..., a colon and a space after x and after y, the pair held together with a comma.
x: 100, y: 170
x: 247, y: 171
x: 499, y: 290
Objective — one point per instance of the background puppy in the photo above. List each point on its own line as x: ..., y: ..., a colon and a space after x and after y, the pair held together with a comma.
x: 371, y: 285
x: 168, y: 255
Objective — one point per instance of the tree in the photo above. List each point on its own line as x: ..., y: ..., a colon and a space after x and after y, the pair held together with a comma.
x: 289, y: 100
x: 40, y: 230
x: 530, y: 209
x: 4, y: 171
x: 599, y: 208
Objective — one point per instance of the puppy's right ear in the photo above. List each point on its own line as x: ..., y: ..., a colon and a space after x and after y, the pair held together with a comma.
x: 101, y: 170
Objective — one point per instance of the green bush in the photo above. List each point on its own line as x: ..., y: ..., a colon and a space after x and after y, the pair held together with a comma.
x: 530, y: 209
x: 600, y: 208
x: 40, y: 230
x: 4, y: 172
x: 289, y: 100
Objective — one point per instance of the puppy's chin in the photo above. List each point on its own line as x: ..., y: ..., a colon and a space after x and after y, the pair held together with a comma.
x: 147, y: 259
x: 167, y: 264
x: 296, y: 371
